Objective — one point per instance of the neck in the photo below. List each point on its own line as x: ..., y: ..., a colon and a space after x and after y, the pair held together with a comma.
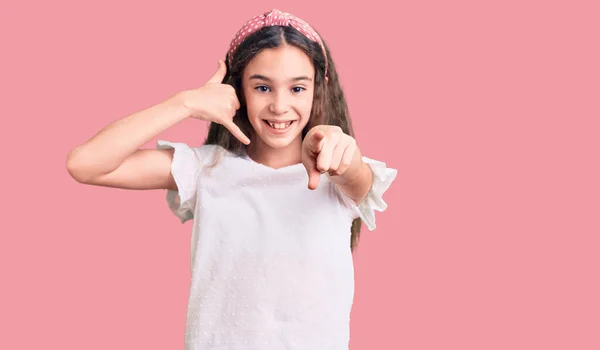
x: 275, y: 158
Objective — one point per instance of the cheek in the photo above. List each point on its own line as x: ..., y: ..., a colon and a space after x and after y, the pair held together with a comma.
x: 305, y: 107
x: 252, y: 106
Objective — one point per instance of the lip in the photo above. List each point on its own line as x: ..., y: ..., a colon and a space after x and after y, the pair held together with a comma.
x: 275, y: 121
x: 278, y: 131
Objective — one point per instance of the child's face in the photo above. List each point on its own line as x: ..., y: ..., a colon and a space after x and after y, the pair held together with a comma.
x: 278, y: 86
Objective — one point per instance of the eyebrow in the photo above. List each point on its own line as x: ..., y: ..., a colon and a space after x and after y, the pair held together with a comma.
x: 262, y: 77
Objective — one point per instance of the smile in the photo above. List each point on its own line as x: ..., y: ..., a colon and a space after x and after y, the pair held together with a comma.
x: 279, y: 126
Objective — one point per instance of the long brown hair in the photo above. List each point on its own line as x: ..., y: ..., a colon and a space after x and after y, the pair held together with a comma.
x: 329, y: 104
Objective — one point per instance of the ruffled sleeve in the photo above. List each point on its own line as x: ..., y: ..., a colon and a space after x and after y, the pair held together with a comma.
x: 382, y: 180
x: 185, y: 168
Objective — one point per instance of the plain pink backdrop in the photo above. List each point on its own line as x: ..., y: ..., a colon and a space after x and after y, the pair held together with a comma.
x: 490, y: 111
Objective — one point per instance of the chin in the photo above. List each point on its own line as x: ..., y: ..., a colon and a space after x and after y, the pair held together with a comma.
x: 279, y: 143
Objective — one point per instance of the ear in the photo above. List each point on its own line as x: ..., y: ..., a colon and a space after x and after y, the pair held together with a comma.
x: 326, y: 80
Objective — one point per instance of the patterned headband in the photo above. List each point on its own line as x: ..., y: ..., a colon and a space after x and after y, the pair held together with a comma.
x: 275, y: 18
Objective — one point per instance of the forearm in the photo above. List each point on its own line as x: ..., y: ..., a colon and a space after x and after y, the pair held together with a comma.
x: 357, y: 180
x: 109, y: 148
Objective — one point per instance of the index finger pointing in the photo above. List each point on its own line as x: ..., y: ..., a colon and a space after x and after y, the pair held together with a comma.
x: 316, y: 142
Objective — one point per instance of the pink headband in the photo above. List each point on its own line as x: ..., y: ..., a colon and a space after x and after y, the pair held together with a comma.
x: 275, y: 18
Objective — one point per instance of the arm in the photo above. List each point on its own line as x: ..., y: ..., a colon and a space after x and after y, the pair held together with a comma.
x: 357, y: 180
x: 113, y: 156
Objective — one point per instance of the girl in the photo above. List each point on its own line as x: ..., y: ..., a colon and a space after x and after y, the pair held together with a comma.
x: 277, y: 192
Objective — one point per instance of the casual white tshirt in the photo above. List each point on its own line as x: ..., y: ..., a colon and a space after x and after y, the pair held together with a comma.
x: 271, y: 260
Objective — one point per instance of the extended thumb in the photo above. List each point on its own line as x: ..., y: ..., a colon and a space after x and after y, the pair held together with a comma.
x: 217, y: 78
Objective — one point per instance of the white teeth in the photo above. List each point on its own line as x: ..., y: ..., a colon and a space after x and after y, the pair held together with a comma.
x: 279, y: 125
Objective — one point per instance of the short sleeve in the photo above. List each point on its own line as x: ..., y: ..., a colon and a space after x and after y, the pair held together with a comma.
x: 383, y: 177
x: 185, y: 168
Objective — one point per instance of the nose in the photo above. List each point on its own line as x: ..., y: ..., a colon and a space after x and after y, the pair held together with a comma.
x: 280, y: 104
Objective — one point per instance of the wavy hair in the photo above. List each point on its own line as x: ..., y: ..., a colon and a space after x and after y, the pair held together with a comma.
x: 329, y: 104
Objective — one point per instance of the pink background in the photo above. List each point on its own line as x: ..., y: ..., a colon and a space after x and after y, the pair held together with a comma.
x: 490, y: 113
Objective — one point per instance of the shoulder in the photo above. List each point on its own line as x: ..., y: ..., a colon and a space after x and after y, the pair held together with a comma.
x: 201, y: 154
x: 184, y: 147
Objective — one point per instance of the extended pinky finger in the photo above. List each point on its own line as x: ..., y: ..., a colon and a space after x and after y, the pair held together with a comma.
x: 236, y: 131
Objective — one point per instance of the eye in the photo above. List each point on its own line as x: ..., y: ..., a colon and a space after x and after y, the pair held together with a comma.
x: 298, y: 89
x: 262, y: 88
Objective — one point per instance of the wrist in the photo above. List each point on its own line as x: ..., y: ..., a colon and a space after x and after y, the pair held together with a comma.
x: 355, y: 173
x: 172, y: 110
x: 356, y: 184
x: 362, y: 172
x: 180, y: 103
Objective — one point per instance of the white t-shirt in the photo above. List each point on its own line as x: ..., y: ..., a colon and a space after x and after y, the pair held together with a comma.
x: 270, y: 259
